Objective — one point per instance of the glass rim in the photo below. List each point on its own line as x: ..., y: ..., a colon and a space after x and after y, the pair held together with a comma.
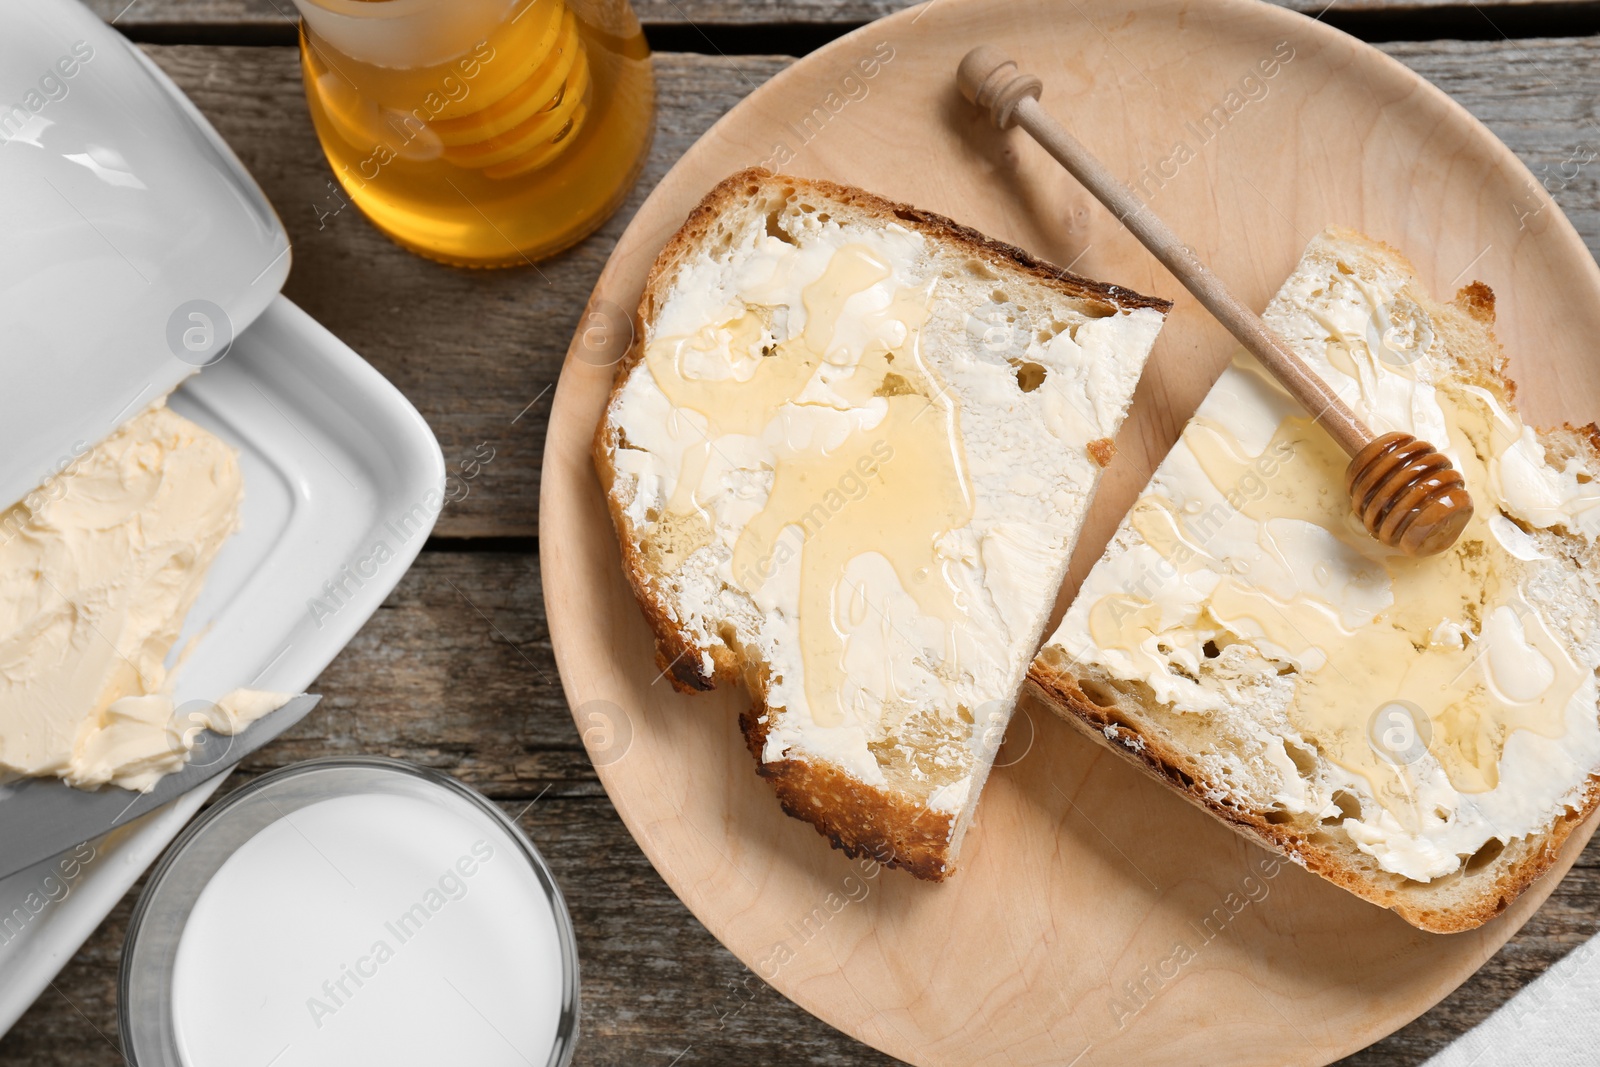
x: 566, y: 1023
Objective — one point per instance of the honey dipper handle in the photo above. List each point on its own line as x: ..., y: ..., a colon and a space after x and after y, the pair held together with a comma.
x: 992, y: 81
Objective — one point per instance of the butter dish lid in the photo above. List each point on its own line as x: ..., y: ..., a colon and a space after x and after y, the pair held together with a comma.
x: 136, y: 245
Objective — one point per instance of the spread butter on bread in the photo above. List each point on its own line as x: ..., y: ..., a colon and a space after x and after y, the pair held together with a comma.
x: 848, y: 457
x: 1422, y: 732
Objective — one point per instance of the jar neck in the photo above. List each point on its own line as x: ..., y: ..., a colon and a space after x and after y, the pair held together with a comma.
x: 405, y: 34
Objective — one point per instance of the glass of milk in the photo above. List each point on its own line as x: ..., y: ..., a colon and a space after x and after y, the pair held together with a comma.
x: 350, y: 911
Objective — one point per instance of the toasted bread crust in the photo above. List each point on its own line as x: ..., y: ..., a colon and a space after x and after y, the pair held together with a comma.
x: 1109, y: 727
x: 927, y: 222
x: 1110, y: 719
x: 859, y: 820
x: 886, y: 825
x: 674, y: 658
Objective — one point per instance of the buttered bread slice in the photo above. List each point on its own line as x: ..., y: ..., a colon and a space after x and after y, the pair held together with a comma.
x: 847, y: 459
x: 1423, y: 732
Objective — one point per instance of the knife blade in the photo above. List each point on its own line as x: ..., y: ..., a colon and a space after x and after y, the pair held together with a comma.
x: 44, y: 817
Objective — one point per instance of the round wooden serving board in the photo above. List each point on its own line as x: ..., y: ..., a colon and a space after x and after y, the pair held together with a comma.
x: 1096, y: 918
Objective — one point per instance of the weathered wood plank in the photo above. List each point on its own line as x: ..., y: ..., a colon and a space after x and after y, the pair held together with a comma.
x: 274, y: 14
x: 439, y: 677
x: 473, y: 375
x: 455, y: 672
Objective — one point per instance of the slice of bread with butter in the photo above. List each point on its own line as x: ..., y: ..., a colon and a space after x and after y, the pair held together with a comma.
x: 848, y: 458
x: 1422, y: 732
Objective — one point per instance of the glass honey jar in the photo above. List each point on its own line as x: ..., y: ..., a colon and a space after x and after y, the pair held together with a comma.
x: 481, y: 133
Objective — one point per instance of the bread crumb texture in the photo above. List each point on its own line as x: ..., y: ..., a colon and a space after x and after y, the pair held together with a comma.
x: 847, y: 460
x: 1421, y: 732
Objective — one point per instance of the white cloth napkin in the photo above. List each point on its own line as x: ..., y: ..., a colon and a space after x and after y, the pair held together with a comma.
x: 1554, y: 1021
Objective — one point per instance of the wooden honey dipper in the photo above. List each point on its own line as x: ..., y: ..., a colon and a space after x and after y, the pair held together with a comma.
x: 1405, y: 492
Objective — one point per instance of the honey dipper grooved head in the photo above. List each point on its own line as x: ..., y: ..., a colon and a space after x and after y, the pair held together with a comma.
x: 1407, y: 495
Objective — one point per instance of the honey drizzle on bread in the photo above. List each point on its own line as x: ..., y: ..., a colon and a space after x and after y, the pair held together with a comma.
x: 803, y: 341
x: 1422, y: 732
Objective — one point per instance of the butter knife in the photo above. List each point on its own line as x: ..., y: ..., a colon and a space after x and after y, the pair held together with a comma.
x: 44, y: 817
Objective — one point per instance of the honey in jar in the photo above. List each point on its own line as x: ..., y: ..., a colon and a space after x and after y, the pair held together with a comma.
x: 481, y: 133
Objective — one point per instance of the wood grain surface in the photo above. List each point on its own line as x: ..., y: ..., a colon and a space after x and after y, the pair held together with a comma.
x: 456, y: 673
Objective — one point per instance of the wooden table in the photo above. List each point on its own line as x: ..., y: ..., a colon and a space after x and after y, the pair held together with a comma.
x: 455, y: 671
